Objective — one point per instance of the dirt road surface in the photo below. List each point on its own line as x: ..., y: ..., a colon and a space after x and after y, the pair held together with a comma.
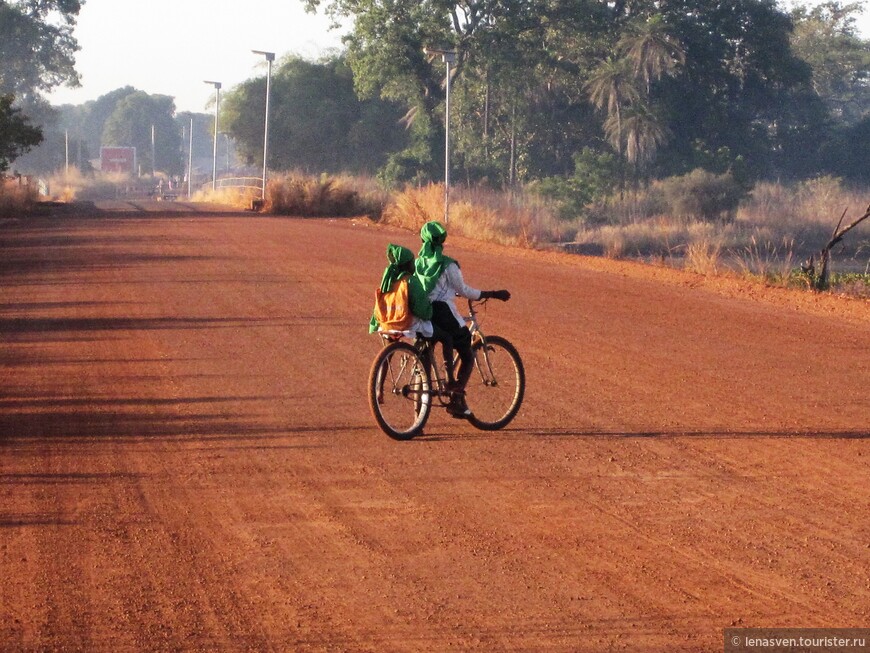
x: 187, y: 460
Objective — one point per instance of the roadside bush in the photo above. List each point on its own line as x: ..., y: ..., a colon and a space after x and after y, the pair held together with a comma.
x: 595, y: 176
x: 703, y: 195
x: 295, y: 194
x: 73, y: 184
x: 16, y: 199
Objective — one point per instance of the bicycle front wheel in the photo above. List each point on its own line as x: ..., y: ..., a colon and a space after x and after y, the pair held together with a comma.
x: 399, y: 395
x: 497, y: 386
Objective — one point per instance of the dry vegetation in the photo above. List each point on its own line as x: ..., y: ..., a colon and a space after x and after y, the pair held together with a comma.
x: 506, y: 218
x: 77, y: 186
x: 240, y: 198
x: 306, y: 195
x: 766, y: 236
x: 16, y: 199
x: 773, y: 230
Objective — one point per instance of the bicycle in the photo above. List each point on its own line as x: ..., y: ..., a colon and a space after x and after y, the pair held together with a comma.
x: 406, y: 380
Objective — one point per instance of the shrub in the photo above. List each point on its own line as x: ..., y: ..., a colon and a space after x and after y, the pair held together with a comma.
x: 595, y: 176
x: 295, y: 194
x: 16, y: 198
x: 703, y: 195
x: 73, y: 184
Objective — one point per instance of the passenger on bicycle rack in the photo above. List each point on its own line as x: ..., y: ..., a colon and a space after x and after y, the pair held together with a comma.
x: 401, y: 266
x: 442, y: 280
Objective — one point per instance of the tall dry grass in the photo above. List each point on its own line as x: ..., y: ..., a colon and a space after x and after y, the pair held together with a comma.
x: 295, y: 193
x: 72, y: 185
x: 480, y: 213
x: 16, y: 198
x: 776, y: 225
x: 240, y: 198
x: 806, y: 212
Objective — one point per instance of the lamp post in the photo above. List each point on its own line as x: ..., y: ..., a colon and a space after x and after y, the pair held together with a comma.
x: 217, y: 107
x: 270, y: 57
x: 448, y: 57
x: 190, y: 162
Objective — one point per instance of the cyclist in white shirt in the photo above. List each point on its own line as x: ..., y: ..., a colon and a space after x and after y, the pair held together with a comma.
x: 442, y: 279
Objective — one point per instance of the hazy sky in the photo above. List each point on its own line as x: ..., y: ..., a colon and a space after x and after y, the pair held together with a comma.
x: 170, y: 47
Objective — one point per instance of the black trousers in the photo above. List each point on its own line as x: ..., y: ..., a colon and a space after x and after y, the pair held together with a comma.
x: 452, y: 337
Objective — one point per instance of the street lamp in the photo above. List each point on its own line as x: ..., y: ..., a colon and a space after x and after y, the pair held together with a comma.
x: 217, y: 106
x: 448, y: 57
x: 190, y: 161
x: 270, y: 57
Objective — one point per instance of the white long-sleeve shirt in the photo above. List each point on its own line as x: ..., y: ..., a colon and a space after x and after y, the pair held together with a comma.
x: 450, y: 284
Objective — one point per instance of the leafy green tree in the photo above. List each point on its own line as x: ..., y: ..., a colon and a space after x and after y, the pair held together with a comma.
x: 695, y: 76
x: 37, y: 52
x: 203, y: 133
x: 49, y: 155
x: 826, y: 38
x: 317, y: 122
x: 17, y: 135
x: 739, y: 84
x: 130, y: 125
x: 37, y: 46
x: 92, y: 116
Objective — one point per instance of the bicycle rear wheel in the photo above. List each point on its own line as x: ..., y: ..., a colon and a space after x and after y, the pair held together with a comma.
x: 399, y: 395
x: 497, y: 386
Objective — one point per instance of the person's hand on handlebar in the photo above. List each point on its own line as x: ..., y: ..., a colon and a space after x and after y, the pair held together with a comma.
x: 501, y: 295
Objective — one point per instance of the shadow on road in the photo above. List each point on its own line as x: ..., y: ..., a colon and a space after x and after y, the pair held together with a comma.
x: 532, y: 433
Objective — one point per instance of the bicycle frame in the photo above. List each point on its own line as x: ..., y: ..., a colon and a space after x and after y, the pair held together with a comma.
x: 438, y: 377
x: 416, y: 372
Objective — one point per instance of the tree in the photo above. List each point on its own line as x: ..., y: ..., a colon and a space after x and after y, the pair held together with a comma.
x: 316, y: 123
x: 710, y: 76
x: 651, y: 49
x: 94, y: 114
x: 37, y: 51
x: 131, y: 123
x: 611, y: 88
x: 493, y: 39
x: 739, y: 86
x: 826, y: 38
x: 17, y: 135
x: 37, y: 46
x: 642, y: 131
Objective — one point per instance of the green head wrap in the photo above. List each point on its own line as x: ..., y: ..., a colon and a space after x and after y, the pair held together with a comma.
x: 431, y: 260
x: 399, y: 257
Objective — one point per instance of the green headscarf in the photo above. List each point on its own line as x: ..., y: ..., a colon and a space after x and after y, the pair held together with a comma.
x: 398, y: 257
x: 431, y: 260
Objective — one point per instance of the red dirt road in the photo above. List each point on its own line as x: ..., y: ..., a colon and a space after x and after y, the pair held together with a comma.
x: 187, y: 461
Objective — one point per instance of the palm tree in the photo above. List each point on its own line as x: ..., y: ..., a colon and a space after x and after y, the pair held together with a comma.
x: 612, y: 87
x: 652, y: 51
x: 642, y: 132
